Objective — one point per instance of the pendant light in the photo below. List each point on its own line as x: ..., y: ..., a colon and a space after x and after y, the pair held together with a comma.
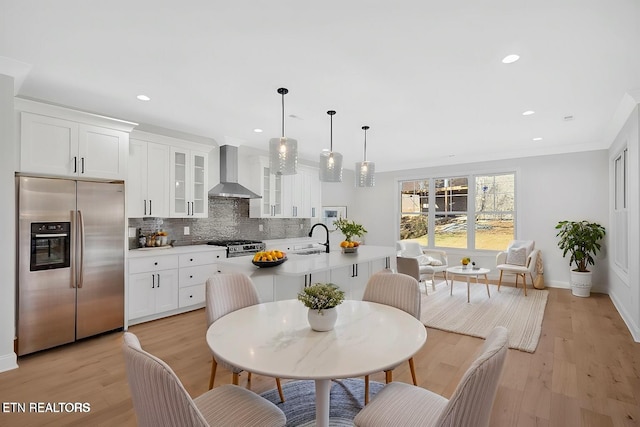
x: 331, y: 162
x: 365, y: 170
x: 283, y: 151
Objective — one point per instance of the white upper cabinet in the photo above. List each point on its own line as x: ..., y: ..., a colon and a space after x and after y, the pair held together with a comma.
x: 271, y: 190
x: 287, y: 196
x: 64, y: 142
x: 189, y: 184
x: 148, y: 179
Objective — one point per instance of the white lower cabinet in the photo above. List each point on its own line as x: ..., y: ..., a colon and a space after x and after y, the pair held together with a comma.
x: 352, y: 279
x: 164, y: 285
x: 152, y: 292
x: 288, y: 287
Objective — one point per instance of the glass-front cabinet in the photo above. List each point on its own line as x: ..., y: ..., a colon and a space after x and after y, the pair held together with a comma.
x: 189, y: 170
x: 271, y: 187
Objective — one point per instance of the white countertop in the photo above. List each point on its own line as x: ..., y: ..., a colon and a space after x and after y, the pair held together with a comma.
x: 176, y: 250
x: 299, y: 265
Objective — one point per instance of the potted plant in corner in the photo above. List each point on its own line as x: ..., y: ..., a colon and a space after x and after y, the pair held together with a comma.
x: 581, y: 239
x: 321, y: 300
x: 349, y: 229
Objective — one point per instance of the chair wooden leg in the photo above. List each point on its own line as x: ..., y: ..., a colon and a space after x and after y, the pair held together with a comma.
x: 426, y: 292
x: 235, y: 378
x: 433, y: 282
x: 413, y: 372
x: 366, y: 389
x: 249, y: 377
x: 279, y: 385
x: 388, y: 376
x: 500, y: 281
x: 214, y: 366
x: 524, y: 283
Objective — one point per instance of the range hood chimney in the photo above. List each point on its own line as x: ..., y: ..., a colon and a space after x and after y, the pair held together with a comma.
x: 229, y: 186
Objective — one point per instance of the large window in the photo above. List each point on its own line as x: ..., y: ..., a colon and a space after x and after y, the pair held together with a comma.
x: 494, y: 211
x: 475, y: 211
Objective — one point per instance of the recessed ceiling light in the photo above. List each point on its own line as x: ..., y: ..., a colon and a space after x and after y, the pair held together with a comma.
x: 257, y: 130
x: 537, y: 139
x: 509, y: 59
x: 143, y: 98
x: 528, y: 113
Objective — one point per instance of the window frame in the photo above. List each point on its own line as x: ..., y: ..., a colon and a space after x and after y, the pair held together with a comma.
x: 471, y: 205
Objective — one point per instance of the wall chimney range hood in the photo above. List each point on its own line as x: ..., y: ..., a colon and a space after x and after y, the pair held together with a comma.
x: 229, y: 186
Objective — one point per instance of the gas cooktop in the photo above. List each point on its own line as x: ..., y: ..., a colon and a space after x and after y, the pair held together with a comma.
x: 239, y: 247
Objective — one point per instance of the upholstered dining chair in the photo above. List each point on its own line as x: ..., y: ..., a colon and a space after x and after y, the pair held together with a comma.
x: 399, y: 404
x: 160, y: 399
x: 397, y: 290
x: 520, y: 259
x: 421, y: 263
x: 227, y: 292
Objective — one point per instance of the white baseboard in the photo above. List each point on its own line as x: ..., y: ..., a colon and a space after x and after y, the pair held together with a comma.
x: 8, y: 362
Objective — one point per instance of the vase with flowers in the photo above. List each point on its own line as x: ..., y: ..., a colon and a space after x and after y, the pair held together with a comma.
x: 321, y: 299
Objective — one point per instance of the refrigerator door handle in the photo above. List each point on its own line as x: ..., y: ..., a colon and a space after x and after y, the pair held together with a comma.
x: 158, y: 280
x: 81, y: 251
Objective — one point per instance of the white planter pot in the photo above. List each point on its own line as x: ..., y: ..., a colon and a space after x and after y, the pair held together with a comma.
x: 324, y: 320
x: 580, y: 283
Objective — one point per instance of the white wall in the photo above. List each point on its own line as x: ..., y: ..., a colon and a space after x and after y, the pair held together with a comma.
x: 624, y: 287
x: 8, y: 358
x: 549, y: 189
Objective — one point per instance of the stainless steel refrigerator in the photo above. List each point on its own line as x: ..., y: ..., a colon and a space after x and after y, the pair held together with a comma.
x: 71, y: 243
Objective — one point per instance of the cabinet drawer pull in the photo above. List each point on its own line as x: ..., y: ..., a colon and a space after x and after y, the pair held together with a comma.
x: 190, y: 277
x: 155, y: 263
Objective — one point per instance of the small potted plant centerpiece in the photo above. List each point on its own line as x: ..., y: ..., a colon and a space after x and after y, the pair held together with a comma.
x: 350, y: 229
x: 321, y: 300
x: 465, y: 262
x: 581, y: 240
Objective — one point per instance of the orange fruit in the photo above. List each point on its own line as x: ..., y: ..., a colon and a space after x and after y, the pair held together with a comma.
x: 350, y: 245
x: 344, y: 244
x: 356, y: 244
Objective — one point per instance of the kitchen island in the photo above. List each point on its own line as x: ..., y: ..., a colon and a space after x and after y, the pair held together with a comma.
x: 349, y: 271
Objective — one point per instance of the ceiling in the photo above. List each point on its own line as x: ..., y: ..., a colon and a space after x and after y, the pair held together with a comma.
x: 425, y: 75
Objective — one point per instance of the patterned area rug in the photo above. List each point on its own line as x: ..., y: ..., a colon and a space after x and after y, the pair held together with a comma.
x: 347, y: 399
x: 521, y: 315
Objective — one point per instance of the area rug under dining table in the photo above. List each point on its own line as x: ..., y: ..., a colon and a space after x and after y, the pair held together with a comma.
x: 347, y: 399
x: 521, y: 315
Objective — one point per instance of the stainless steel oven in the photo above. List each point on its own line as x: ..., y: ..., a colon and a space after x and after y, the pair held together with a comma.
x: 50, y: 245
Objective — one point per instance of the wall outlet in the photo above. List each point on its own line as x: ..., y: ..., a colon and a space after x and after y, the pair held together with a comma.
x: 186, y: 231
x: 260, y: 227
x: 132, y: 232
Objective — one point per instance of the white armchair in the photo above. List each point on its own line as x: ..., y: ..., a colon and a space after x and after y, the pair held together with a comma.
x: 520, y: 259
x: 419, y: 263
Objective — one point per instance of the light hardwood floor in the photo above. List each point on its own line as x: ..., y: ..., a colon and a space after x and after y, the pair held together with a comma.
x: 585, y: 371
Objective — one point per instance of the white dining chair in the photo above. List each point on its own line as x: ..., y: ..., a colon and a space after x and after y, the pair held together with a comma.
x: 224, y: 293
x: 160, y: 399
x: 403, y: 405
x: 400, y: 291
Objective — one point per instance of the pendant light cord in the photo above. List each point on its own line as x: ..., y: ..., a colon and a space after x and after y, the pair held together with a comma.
x: 283, y: 91
x: 331, y: 113
x: 365, y: 142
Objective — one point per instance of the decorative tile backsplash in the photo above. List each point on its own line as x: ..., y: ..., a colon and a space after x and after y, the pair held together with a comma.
x: 228, y: 219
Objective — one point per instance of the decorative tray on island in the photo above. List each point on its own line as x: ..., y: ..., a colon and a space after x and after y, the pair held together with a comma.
x: 264, y: 264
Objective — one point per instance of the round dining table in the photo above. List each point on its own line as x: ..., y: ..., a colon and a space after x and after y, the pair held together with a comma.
x: 275, y: 339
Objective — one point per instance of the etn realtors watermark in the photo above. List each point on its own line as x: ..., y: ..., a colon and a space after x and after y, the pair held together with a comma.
x: 46, y: 407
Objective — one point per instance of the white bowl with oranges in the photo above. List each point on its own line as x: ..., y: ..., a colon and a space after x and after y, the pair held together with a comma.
x: 349, y: 247
x: 269, y: 258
